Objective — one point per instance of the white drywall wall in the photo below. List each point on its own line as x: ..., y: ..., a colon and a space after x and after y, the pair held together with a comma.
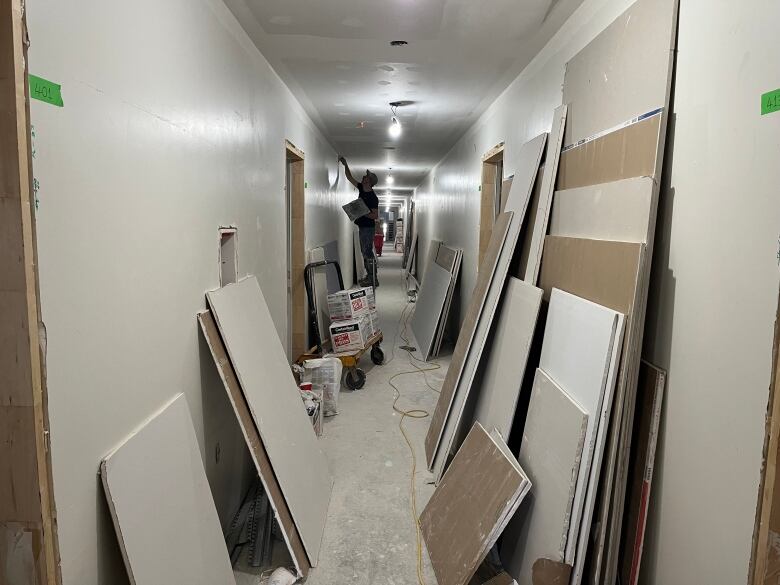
x: 173, y: 125
x: 715, y: 279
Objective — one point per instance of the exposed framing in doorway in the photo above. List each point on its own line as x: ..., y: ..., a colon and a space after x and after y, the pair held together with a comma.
x: 295, y: 193
x: 490, y: 204
x: 28, y: 529
x: 765, y: 562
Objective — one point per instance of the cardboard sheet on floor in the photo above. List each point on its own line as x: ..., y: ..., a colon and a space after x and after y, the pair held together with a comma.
x: 467, y: 512
x: 580, y: 352
x: 506, y: 357
x: 650, y: 392
x: 550, y: 453
x: 445, y: 316
x: 522, y: 186
x: 161, y: 504
x: 484, y: 277
x: 429, y: 307
x: 538, y: 229
x: 257, y: 355
x: 253, y: 441
x: 618, y: 211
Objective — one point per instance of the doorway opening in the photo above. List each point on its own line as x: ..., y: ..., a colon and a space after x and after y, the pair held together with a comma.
x: 295, y: 205
x: 491, y: 201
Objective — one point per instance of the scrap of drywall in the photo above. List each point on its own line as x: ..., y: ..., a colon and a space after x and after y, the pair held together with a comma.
x: 470, y: 508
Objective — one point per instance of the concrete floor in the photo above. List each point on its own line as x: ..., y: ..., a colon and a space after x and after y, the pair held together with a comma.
x: 370, y: 535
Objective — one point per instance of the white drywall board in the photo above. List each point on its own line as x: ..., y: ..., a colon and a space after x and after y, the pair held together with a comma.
x: 448, y: 304
x: 433, y: 251
x: 445, y: 257
x: 161, y: 504
x: 507, y: 354
x: 623, y: 72
x: 539, y: 229
x: 519, y: 196
x: 268, y: 384
x: 618, y: 211
x: 550, y: 453
x: 320, y: 292
x: 578, y: 352
x: 429, y: 307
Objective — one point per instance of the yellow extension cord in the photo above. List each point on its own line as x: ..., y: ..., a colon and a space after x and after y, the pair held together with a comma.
x: 414, y: 413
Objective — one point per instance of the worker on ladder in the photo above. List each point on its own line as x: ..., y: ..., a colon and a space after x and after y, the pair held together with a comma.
x: 366, y: 224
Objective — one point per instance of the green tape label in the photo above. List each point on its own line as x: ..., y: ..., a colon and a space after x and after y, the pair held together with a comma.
x: 45, y: 90
x: 770, y: 102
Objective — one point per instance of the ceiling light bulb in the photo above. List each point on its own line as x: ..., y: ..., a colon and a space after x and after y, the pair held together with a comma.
x: 395, y: 128
x: 390, y: 180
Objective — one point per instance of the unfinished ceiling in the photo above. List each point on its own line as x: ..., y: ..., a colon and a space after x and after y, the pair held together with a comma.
x: 336, y: 57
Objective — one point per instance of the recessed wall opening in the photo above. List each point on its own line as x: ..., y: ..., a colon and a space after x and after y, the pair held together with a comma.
x: 295, y: 204
x: 491, y: 201
x: 228, y: 255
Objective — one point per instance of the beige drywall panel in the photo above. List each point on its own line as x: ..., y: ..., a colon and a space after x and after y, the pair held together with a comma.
x: 161, y: 504
x: 136, y: 174
x: 550, y: 453
x: 506, y: 357
x: 470, y: 508
x: 258, y: 357
x: 623, y: 72
x: 618, y: 211
x: 538, y: 228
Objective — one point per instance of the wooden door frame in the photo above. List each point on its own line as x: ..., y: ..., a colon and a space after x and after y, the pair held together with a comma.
x: 28, y: 524
x: 769, y: 488
x: 490, y: 184
x: 297, y: 249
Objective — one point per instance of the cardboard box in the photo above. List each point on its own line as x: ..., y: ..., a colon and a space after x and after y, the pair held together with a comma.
x: 373, y: 315
x: 347, y: 304
x: 350, y: 335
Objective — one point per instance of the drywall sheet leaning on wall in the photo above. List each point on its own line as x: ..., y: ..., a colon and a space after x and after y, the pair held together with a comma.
x: 445, y: 315
x: 470, y: 508
x: 522, y: 186
x: 446, y: 257
x: 360, y: 269
x: 430, y: 259
x: 539, y: 227
x: 618, y: 211
x: 581, y: 346
x: 624, y: 72
x: 551, y: 452
x: 255, y: 444
x: 650, y: 393
x: 506, y: 357
x: 274, y: 401
x: 607, y: 273
x: 161, y: 504
x: 429, y: 307
x: 484, y: 277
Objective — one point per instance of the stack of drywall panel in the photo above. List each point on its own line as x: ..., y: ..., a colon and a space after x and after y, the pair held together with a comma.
x: 435, y: 299
x: 617, y: 90
x: 271, y: 395
x: 446, y: 431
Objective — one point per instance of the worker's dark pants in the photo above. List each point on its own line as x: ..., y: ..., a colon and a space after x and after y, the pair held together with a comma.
x: 366, y: 236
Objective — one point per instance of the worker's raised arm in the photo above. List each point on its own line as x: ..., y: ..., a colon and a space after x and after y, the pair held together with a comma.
x: 347, y: 172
